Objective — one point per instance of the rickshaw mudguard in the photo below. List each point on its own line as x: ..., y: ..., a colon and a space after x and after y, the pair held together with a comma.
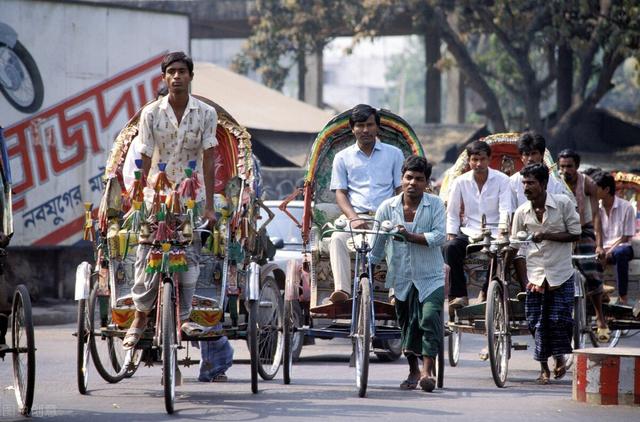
x: 83, y: 281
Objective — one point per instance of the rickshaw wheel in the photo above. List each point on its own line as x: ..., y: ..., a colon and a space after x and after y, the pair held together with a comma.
x: 362, y: 341
x: 169, y: 347
x: 107, y: 352
x: 270, y: 333
x: 439, y: 361
x: 24, y: 350
x: 580, y: 329
x: 496, y: 322
x: 287, y: 330
x: 83, y: 349
x: 454, y: 347
x: 252, y: 337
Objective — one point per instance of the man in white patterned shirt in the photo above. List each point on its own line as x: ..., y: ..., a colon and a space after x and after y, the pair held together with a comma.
x: 174, y: 130
x: 480, y: 191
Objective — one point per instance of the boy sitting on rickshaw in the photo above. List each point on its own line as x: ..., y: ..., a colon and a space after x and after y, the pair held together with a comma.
x: 363, y: 175
x: 416, y: 269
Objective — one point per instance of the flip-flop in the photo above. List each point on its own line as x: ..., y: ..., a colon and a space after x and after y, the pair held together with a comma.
x: 560, y: 371
x: 220, y: 378
x: 427, y: 384
x: 603, y: 334
x: 543, y: 379
x: 409, y: 384
x: 131, y: 338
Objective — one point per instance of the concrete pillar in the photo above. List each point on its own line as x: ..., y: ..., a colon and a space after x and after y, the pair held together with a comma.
x: 313, y: 79
x: 455, y: 101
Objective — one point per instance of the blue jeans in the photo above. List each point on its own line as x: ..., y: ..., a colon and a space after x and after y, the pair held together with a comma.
x: 621, y: 255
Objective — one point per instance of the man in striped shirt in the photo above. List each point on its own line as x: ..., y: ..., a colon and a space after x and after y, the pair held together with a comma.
x: 416, y: 269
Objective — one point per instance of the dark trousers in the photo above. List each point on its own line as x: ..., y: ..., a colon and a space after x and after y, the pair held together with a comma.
x: 621, y: 255
x: 455, y: 251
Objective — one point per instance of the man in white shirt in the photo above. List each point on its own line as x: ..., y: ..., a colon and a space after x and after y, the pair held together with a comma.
x: 174, y: 130
x: 618, y: 219
x: 480, y: 191
x: 554, y: 224
x: 363, y: 175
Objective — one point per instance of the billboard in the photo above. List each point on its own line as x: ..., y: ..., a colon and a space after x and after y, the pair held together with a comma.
x: 71, y: 75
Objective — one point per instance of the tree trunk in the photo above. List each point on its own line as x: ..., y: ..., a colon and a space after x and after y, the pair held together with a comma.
x: 472, y: 73
x: 433, y: 77
x: 302, y: 73
x: 564, y: 91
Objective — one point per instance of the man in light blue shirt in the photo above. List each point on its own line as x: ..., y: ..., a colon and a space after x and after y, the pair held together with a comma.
x: 363, y: 175
x: 416, y: 269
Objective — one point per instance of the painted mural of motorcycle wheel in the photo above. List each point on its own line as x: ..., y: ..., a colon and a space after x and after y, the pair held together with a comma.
x: 20, y: 79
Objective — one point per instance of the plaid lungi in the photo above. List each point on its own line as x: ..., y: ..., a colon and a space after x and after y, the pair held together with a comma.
x: 550, y: 320
x: 587, y: 246
x: 217, y: 357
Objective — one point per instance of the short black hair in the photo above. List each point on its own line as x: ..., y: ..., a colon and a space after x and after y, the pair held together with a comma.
x: 531, y: 141
x: 605, y: 180
x: 476, y: 147
x: 417, y: 163
x: 361, y: 113
x: 539, y: 171
x: 569, y: 153
x: 176, y: 56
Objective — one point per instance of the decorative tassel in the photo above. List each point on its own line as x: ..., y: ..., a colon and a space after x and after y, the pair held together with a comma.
x: 163, y: 233
x: 88, y: 233
x: 190, y: 186
x: 173, y: 203
x: 177, y: 261
x: 162, y: 182
x: 154, y: 262
x: 136, y: 192
x: 133, y: 221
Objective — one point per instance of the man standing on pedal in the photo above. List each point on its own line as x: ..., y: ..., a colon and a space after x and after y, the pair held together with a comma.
x: 554, y: 224
x: 480, y: 191
x: 174, y: 130
x: 585, y: 198
x: 416, y: 269
x: 363, y: 175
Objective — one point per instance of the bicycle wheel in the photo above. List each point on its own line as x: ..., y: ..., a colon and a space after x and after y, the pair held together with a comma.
x: 497, y: 336
x: 270, y: 335
x: 83, y: 349
x: 252, y: 336
x: 169, y: 346
x: 288, y: 334
x: 440, y: 365
x: 107, y: 352
x: 454, y: 347
x: 24, y: 350
x: 580, y: 328
x: 362, y: 340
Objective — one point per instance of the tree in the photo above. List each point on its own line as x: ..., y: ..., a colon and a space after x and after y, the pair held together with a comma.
x: 285, y: 31
x: 525, y: 41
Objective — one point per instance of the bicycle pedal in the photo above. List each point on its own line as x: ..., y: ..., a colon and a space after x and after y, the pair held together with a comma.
x: 519, y: 346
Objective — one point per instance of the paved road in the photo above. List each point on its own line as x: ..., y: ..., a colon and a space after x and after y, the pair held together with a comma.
x: 323, y: 388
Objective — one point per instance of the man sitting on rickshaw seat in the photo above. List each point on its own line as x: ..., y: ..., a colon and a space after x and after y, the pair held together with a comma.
x: 175, y: 130
x: 618, y: 219
x: 416, y: 269
x: 363, y: 175
x: 480, y: 191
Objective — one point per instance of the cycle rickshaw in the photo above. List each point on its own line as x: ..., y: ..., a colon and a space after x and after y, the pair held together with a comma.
x: 236, y: 295
x: 620, y: 318
x: 367, y: 318
x: 502, y: 315
x: 16, y: 313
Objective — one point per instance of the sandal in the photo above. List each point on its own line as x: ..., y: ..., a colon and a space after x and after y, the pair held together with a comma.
x: 427, y: 384
x: 543, y: 379
x: 409, y: 384
x: 603, y: 334
x: 220, y: 378
x: 132, y: 337
x: 560, y: 370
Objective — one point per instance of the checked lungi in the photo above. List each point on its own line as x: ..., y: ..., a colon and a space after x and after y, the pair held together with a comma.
x: 550, y: 320
x: 421, y: 324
